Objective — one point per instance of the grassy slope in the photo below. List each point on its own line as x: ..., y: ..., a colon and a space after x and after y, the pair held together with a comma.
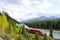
x: 12, y: 32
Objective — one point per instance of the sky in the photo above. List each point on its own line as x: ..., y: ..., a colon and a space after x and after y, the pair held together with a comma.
x: 22, y: 10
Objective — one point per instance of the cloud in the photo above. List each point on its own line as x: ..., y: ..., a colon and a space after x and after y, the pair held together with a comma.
x: 54, y: 0
x: 38, y: 3
x: 47, y: 4
x: 26, y: 9
x: 23, y: 2
x: 44, y: 4
x: 16, y: 11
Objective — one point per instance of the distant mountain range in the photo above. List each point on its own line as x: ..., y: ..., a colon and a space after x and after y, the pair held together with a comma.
x: 41, y: 18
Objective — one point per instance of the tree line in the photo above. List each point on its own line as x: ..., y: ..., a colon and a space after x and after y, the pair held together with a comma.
x: 45, y: 24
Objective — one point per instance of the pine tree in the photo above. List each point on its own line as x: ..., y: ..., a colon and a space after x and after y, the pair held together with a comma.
x: 14, y: 26
x: 19, y: 38
x: 38, y: 37
x: 11, y: 30
x: 23, y: 30
x: 25, y: 33
x: 45, y: 37
x: 51, y: 33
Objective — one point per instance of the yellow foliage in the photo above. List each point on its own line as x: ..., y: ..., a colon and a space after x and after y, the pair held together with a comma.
x: 4, y: 22
x: 0, y: 19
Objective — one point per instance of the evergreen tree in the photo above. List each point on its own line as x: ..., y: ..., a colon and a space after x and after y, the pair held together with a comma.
x: 14, y: 26
x: 11, y: 30
x: 25, y: 33
x: 19, y: 38
x: 23, y: 30
x: 51, y: 32
x: 45, y: 37
x: 38, y: 37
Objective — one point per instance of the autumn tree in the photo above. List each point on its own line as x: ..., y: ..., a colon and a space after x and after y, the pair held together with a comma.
x: 4, y: 22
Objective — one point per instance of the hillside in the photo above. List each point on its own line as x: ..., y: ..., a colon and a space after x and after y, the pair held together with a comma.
x: 10, y: 18
x: 9, y: 30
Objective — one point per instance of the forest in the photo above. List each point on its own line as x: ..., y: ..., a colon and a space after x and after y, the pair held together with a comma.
x: 45, y: 24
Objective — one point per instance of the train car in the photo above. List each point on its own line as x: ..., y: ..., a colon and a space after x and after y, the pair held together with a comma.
x: 33, y: 31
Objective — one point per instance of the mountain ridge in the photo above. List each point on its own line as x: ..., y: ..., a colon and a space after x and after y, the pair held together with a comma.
x: 41, y: 18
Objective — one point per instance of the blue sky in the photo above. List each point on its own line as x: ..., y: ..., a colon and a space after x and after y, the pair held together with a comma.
x: 28, y: 9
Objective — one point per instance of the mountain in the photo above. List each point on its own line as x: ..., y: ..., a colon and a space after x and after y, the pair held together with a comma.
x: 40, y: 19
